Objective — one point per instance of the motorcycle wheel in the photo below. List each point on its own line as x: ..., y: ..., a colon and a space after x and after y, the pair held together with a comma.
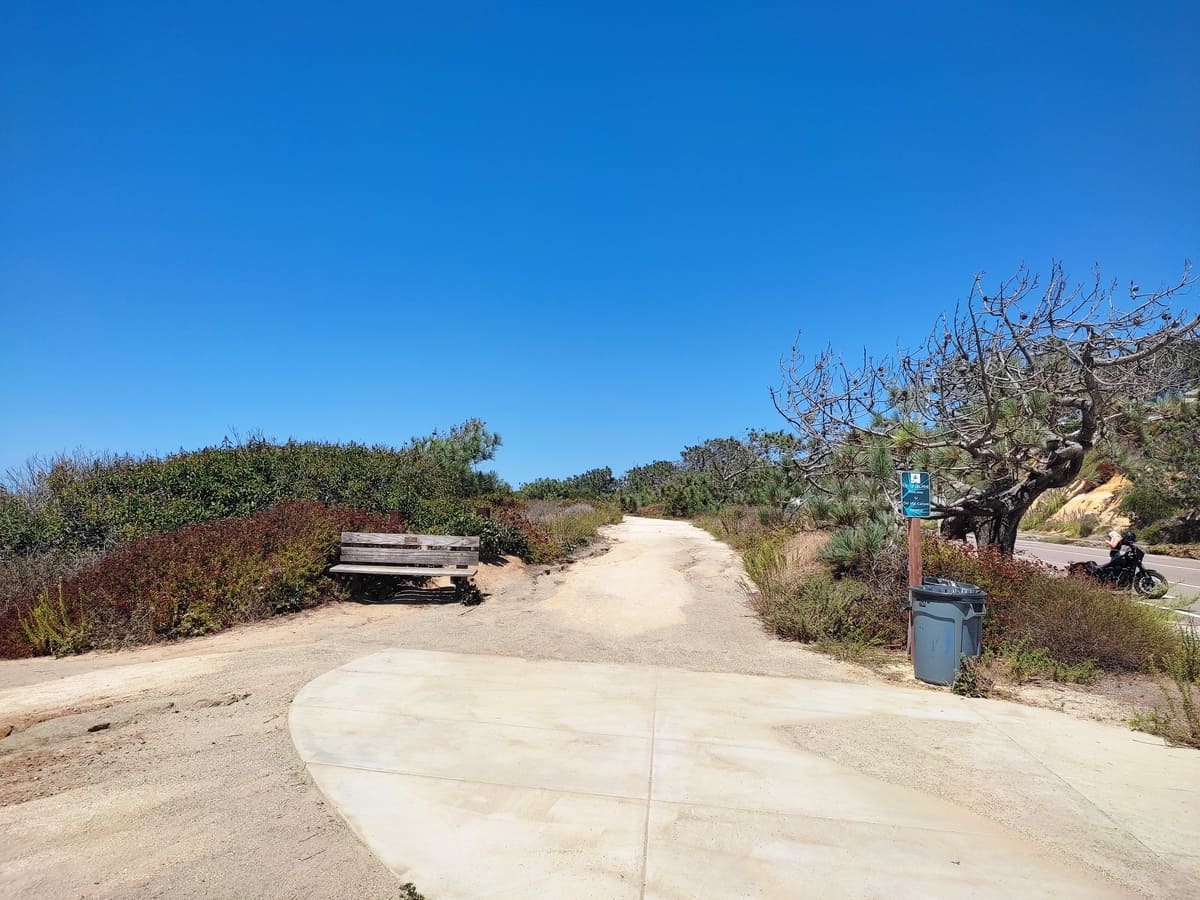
x: 1150, y: 584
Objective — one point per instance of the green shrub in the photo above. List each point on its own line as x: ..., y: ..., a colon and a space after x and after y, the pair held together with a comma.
x: 821, y: 607
x: 195, y: 580
x: 1080, y: 525
x: 851, y: 549
x: 26, y: 577
x: 1147, y: 503
x: 1183, y: 529
x: 75, y: 504
x: 1025, y: 662
x: 1187, y: 657
x: 22, y: 530
x: 797, y: 597
x: 443, y: 515
x: 815, y: 510
x: 1178, y: 720
x: 593, y: 484
x: 766, y: 564
x: 972, y: 679
x: 1049, y: 504
x: 49, y: 627
x: 543, y: 531
x: 691, y: 493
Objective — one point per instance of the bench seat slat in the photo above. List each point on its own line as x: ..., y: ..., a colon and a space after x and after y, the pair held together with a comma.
x: 446, y: 541
x: 411, y: 571
x: 396, y: 556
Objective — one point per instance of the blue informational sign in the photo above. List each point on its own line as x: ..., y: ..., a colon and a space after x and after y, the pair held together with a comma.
x: 914, y: 494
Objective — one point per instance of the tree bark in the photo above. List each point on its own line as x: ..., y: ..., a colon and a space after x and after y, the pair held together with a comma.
x: 995, y: 517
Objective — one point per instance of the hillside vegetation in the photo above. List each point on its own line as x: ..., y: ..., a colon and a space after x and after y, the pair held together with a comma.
x: 1146, y: 477
x: 108, y: 551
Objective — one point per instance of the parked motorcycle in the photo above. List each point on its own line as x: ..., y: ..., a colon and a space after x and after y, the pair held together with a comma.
x: 1124, y: 570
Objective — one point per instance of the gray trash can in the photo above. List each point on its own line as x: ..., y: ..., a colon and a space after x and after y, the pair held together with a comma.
x: 947, y: 624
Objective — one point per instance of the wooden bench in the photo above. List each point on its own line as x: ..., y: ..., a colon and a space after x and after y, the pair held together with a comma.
x: 410, y: 555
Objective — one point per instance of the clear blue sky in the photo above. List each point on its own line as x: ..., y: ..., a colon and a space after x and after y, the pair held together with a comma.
x: 595, y: 226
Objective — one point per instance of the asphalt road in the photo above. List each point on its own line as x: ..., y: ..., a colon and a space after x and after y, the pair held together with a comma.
x: 1183, y: 574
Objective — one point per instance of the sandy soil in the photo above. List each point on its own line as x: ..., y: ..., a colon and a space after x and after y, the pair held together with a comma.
x: 1114, y: 699
x: 169, y: 771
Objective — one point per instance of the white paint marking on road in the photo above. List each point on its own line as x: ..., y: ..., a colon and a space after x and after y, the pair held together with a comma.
x: 1182, y: 612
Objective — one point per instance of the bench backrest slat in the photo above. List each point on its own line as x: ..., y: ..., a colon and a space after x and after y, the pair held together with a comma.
x: 412, y: 541
x: 409, y: 557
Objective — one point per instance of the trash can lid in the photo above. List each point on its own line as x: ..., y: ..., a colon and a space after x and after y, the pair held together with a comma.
x: 948, y: 588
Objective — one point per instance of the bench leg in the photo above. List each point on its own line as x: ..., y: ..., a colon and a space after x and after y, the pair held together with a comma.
x: 460, y: 589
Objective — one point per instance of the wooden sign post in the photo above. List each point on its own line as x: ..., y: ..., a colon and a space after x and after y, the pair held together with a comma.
x: 915, y: 500
x: 914, y: 571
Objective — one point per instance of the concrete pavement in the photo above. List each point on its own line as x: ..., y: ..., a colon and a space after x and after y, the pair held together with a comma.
x: 478, y: 776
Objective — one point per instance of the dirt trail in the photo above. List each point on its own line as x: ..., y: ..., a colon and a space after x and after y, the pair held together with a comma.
x: 169, y: 770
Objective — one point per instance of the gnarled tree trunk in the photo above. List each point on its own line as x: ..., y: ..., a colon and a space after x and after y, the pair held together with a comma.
x: 995, y: 516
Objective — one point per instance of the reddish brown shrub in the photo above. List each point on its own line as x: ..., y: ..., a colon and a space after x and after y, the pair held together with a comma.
x: 195, y: 580
x: 1074, y: 620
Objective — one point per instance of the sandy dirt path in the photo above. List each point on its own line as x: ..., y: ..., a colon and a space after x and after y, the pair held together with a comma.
x: 169, y: 770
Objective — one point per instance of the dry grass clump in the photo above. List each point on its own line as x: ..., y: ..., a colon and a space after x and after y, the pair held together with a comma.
x: 824, y: 609
x: 796, y: 596
x: 556, y: 527
x: 1177, y: 720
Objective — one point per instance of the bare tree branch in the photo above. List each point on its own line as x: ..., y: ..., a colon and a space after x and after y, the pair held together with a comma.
x: 1003, y: 400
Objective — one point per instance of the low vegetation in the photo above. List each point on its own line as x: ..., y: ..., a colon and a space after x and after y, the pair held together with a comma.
x: 1177, y: 720
x: 1184, y: 551
x: 852, y: 591
x: 191, y: 581
x: 796, y: 593
x: 1049, y: 504
x: 833, y: 575
x: 1074, y: 621
x: 88, y: 504
x: 109, y: 551
x: 567, y: 526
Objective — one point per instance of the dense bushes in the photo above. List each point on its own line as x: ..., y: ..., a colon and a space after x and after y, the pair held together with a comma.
x: 797, y: 597
x: 191, y: 581
x: 104, y: 551
x: 857, y: 547
x: 821, y: 607
x: 1183, y: 529
x: 1073, y: 620
x: 206, y: 577
x: 1035, y: 614
x: 1148, y: 503
x: 23, y: 578
x: 590, y: 485
x: 757, y: 470
x: 94, y: 504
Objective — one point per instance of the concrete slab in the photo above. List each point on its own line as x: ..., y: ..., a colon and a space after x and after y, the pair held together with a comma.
x: 468, y: 751
x: 479, y: 776
x: 710, y: 852
x: 597, y: 707
x: 466, y: 839
x: 790, y: 783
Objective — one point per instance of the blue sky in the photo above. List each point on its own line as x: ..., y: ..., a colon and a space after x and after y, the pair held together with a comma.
x: 595, y: 226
